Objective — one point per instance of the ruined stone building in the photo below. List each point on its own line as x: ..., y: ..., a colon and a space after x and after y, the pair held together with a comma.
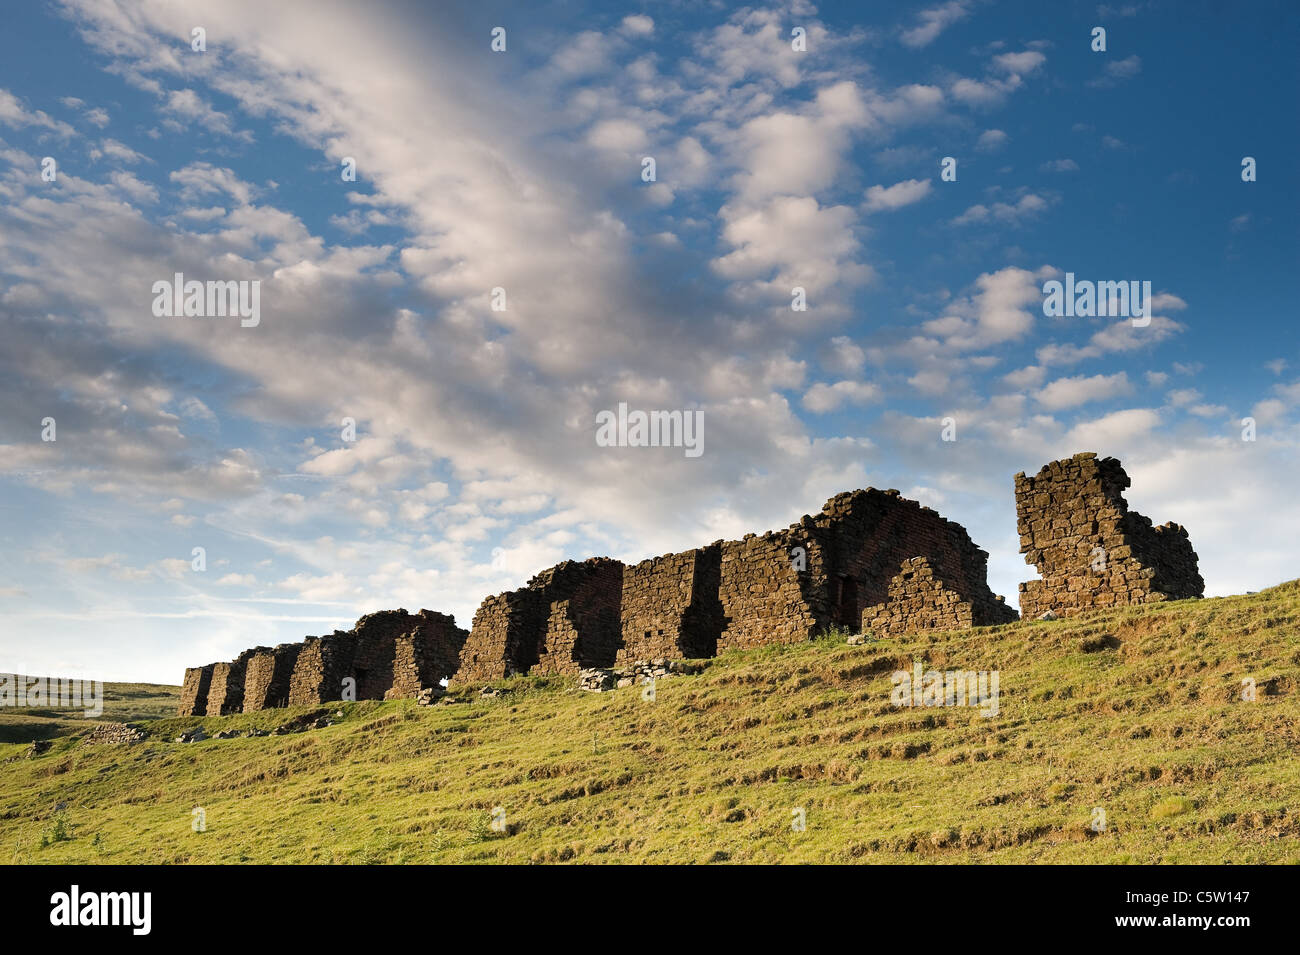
x: 780, y: 587
x: 1090, y: 549
x: 566, y: 618
x: 387, y: 655
x: 870, y: 559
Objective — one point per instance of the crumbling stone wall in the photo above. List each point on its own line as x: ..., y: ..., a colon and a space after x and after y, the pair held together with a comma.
x: 774, y: 588
x: 498, y: 636
x: 267, y: 677
x: 670, y: 606
x: 786, y: 586
x: 226, y: 689
x: 1090, y: 549
x: 582, y: 625
x: 323, y: 664
x: 194, y: 691
x: 427, y: 655
x: 565, y: 619
x: 376, y: 637
x: 918, y: 600
x: 388, y: 654
x: 781, y: 587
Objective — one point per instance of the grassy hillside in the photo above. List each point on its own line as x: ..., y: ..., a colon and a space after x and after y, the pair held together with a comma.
x: 123, y: 702
x: 1136, y: 711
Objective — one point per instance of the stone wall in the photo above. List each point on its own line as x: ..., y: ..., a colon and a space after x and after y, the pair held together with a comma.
x: 388, y: 654
x: 920, y: 600
x: 267, y: 677
x: 765, y: 595
x: 582, y: 624
x: 855, y: 558
x: 787, y: 586
x: 372, y: 663
x: 1089, y: 548
x: 565, y: 619
x: 226, y: 690
x: 194, y: 690
x: 323, y: 664
x: 425, y: 656
x: 670, y: 606
x: 496, y: 636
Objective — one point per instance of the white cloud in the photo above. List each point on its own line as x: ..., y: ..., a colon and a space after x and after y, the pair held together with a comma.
x: 1025, y: 62
x: 888, y: 198
x: 1071, y: 392
x: 933, y: 22
x: 821, y: 397
x: 1116, y: 428
x: 1026, y: 207
x: 638, y: 24
x: 1060, y: 165
x: 1117, y: 71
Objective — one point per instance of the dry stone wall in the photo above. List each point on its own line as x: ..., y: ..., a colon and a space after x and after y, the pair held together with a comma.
x: 582, y: 623
x: 388, y: 654
x: 788, y: 585
x: 226, y: 691
x: 919, y: 600
x: 497, y: 636
x: 267, y: 677
x: 565, y: 619
x: 670, y: 606
x: 426, y: 655
x: 1089, y: 548
x: 194, y: 690
x: 870, y: 558
x: 322, y: 666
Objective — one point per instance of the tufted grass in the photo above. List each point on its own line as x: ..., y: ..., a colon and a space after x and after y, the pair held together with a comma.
x: 1136, y: 712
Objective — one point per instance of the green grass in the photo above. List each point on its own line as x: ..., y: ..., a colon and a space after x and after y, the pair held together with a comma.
x: 1136, y: 712
x: 123, y: 703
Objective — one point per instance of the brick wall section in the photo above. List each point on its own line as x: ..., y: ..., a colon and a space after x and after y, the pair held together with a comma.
x: 921, y: 600
x: 764, y: 597
x: 527, y: 630
x: 670, y: 606
x: 426, y: 655
x: 322, y: 665
x: 268, y: 676
x: 226, y: 690
x: 194, y: 691
x: 853, y: 549
x: 497, y: 636
x: 582, y: 624
x: 1089, y: 548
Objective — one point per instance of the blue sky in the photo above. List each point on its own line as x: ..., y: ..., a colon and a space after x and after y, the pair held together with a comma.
x: 475, y: 464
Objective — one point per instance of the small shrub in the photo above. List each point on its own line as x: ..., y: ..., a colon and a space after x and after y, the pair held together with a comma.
x: 60, y: 830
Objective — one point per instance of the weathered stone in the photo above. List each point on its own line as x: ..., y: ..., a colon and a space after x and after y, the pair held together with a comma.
x: 226, y: 690
x: 565, y: 619
x: 850, y: 553
x: 425, y: 656
x: 267, y: 677
x: 670, y: 606
x: 388, y: 654
x: 920, y: 600
x: 113, y: 734
x: 194, y: 690
x: 1090, y: 549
